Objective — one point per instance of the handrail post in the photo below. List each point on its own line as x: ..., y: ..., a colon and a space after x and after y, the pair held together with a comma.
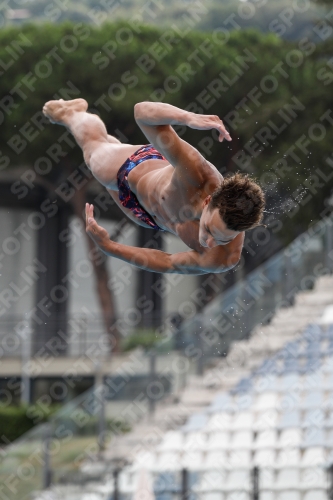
x: 200, y: 345
x: 47, y: 472
x: 329, y: 246
x: 116, y: 483
x: 255, y: 483
x: 101, y: 419
x: 184, y: 490
x: 25, y: 365
x: 152, y: 378
x: 330, y: 482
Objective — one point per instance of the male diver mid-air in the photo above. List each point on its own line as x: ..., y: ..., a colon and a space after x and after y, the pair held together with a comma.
x: 166, y: 185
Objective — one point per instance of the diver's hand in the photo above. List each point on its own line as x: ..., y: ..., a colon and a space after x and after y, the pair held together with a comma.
x: 208, y: 122
x: 97, y: 233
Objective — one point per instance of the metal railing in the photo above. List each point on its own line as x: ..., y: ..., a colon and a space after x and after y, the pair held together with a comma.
x: 233, y: 314
x: 55, y: 452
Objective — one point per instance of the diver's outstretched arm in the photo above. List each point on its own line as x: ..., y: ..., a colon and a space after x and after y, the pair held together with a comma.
x: 215, y: 260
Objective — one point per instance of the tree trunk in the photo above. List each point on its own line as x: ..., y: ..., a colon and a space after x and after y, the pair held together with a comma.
x: 98, y: 259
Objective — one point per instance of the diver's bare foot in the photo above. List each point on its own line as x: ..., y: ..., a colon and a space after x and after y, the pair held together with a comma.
x: 60, y: 111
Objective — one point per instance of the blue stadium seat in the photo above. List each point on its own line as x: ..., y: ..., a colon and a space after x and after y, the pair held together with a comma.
x: 314, y: 418
x: 291, y: 419
x: 244, y: 385
x: 313, y: 399
x: 313, y: 437
x: 220, y: 403
x: 195, y: 422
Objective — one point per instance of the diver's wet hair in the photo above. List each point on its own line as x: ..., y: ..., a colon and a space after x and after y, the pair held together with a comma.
x: 240, y: 201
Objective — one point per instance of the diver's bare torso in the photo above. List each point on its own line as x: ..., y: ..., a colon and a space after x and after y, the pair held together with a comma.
x: 174, y: 204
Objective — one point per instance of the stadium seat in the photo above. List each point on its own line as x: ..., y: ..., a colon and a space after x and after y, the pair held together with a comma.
x: 289, y: 495
x: 241, y: 440
x: 215, y: 460
x: 266, y: 479
x: 269, y: 366
x: 313, y: 437
x: 313, y: 457
x: 315, y: 495
x: 312, y: 381
x: 239, y: 480
x: 314, y: 477
x: 192, y: 460
x: 267, y: 495
x: 328, y: 423
x: 212, y: 481
x: 290, y: 419
x: 196, y: 422
x: 313, y: 399
x: 288, y: 478
x: 126, y: 482
x: 266, y: 419
x: 328, y: 382
x: 218, y: 441
x: 288, y: 382
x: 213, y: 495
x: 265, y: 458
x: 173, y: 440
x: 289, y: 457
x: 265, y: 384
x: 266, y: 439
x: 266, y: 401
x: 290, y: 438
x: 165, y: 484
x: 168, y: 461
x: 146, y: 459
x: 243, y: 420
x: 238, y: 495
x: 314, y: 418
x: 243, y: 385
x: 219, y: 421
x: 240, y: 458
x: 220, y: 403
x: 195, y: 441
x: 243, y: 401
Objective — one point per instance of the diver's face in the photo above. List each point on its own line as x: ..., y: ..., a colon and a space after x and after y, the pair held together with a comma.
x: 212, y: 229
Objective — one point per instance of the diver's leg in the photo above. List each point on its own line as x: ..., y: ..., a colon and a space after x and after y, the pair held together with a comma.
x: 103, y: 153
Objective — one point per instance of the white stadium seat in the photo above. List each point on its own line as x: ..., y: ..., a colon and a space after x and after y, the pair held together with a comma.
x: 243, y: 421
x: 265, y: 458
x: 219, y: 421
x: 238, y: 495
x: 289, y: 495
x: 173, y: 440
x: 215, y: 460
x: 267, y: 478
x: 240, y: 458
x: 314, y: 456
x: 266, y: 419
x: 195, y: 441
x: 314, y: 477
x: 290, y: 438
x: 266, y: 439
x: 267, y: 495
x: 315, y: 495
x: 239, y: 480
x: 242, y: 440
x: 168, y: 461
x: 288, y: 478
x: 266, y: 401
x: 212, y: 481
x: 192, y: 460
x: 288, y: 458
x: 211, y: 496
x: 218, y: 441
